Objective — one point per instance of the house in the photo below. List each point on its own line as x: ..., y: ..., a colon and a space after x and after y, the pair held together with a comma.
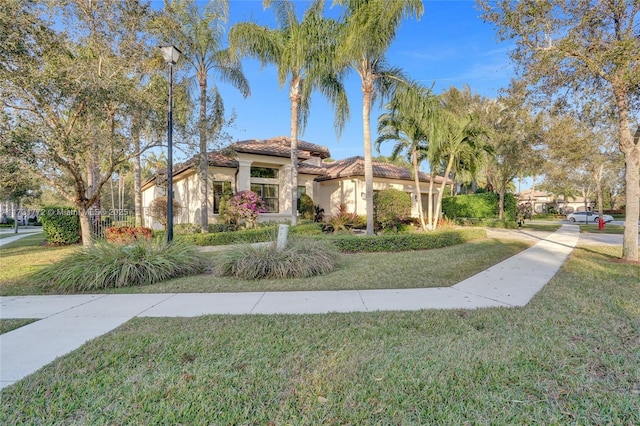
x: 542, y: 201
x: 264, y: 166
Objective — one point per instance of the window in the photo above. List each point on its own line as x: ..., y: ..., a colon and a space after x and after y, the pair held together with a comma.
x: 220, y: 188
x: 269, y: 194
x: 264, y: 172
x: 301, y: 190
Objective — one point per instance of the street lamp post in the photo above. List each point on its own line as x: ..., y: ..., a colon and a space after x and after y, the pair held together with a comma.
x: 170, y: 55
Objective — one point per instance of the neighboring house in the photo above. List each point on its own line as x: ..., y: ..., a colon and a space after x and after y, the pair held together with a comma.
x: 264, y: 166
x: 541, y: 201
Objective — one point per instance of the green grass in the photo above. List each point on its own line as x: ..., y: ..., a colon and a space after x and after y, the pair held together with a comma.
x: 571, y: 356
x: 412, y: 269
x: 354, y: 271
x: 7, y: 325
x: 24, y: 257
x: 608, y: 229
x: 544, y: 227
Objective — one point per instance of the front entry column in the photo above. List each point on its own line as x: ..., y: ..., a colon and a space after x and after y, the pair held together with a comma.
x: 244, y: 175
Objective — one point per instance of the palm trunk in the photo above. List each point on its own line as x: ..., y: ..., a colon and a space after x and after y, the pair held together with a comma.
x: 137, y: 180
x: 294, y: 95
x: 441, y: 193
x: 204, y: 163
x: 430, y: 205
x: 416, y: 177
x: 368, y: 165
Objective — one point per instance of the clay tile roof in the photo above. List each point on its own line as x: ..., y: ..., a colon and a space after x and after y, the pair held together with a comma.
x: 222, y: 159
x: 354, y: 166
x: 311, y: 170
x: 280, y: 147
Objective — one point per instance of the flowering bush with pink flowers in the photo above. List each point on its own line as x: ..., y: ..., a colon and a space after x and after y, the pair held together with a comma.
x: 246, y: 205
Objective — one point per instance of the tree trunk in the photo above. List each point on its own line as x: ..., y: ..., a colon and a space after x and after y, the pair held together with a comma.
x: 416, y: 177
x: 631, y: 151
x: 137, y: 180
x: 294, y: 95
x: 501, y: 202
x: 204, y: 161
x: 85, y: 224
x: 430, y: 205
x: 367, y: 87
x: 441, y: 193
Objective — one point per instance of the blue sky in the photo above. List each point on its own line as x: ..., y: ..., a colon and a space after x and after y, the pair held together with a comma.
x: 449, y: 46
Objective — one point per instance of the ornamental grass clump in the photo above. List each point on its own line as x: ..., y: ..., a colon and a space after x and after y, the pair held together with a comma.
x: 301, y: 258
x: 106, y: 265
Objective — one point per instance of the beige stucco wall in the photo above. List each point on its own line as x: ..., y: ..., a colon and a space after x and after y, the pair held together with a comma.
x: 351, y: 191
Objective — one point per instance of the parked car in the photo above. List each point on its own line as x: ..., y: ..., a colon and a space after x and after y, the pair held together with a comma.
x: 590, y: 217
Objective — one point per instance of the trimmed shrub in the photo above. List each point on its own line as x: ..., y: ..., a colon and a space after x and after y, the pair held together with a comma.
x: 391, y: 207
x: 404, y: 242
x: 484, y: 205
x: 258, y: 235
x: 186, y: 228
x: 61, y: 225
x: 222, y: 227
x: 307, y: 229
x: 128, y: 234
x: 306, y: 208
x: 300, y: 259
x: 106, y: 265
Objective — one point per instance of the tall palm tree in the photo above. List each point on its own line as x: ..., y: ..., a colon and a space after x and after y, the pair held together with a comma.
x: 199, y: 33
x: 302, y: 51
x: 369, y: 27
x: 410, y: 119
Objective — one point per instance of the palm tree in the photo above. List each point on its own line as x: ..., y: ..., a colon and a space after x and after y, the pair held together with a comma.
x: 199, y: 34
x: 368, y: 29
x: 302, y: 51
x: 459, y: 140
x: 409, y: 121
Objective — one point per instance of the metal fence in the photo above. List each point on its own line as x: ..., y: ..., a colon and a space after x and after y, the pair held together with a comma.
x: 102, y: 220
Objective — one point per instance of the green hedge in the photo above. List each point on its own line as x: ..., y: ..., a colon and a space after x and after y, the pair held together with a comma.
x: 488, y: 223
x: 246, y: 236
x: 405, y: 242
x: 479, y: 206
x: 61, y: 225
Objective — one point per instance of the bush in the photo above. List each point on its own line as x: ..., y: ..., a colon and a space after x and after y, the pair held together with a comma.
x: 404, y: 242
x: 61, y: 225
x: 106, y: 265
x: 222, y: 227
x: 391, y: 207
x: 307, y: 209
x: 245, y: 205
x: 128, y: 234
x: 344, y: 220
x: 159, y: 210
x: 186, y: 228
x: 238, y: 237
x: 307, y: 229
x: 484, y: 205
x: 300, y: 259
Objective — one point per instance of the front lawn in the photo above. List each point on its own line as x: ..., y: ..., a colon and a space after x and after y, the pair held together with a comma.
x: 427, y: 268
x: 572, y: 356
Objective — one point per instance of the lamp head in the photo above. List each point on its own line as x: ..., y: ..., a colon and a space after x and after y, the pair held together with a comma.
x: 170, y: 53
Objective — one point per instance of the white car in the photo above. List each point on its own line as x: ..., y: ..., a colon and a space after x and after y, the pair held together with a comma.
x: 588, y: 216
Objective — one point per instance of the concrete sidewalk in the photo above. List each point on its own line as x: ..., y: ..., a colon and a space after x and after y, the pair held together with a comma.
x: 66, y: 322
x: 21, y: 234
